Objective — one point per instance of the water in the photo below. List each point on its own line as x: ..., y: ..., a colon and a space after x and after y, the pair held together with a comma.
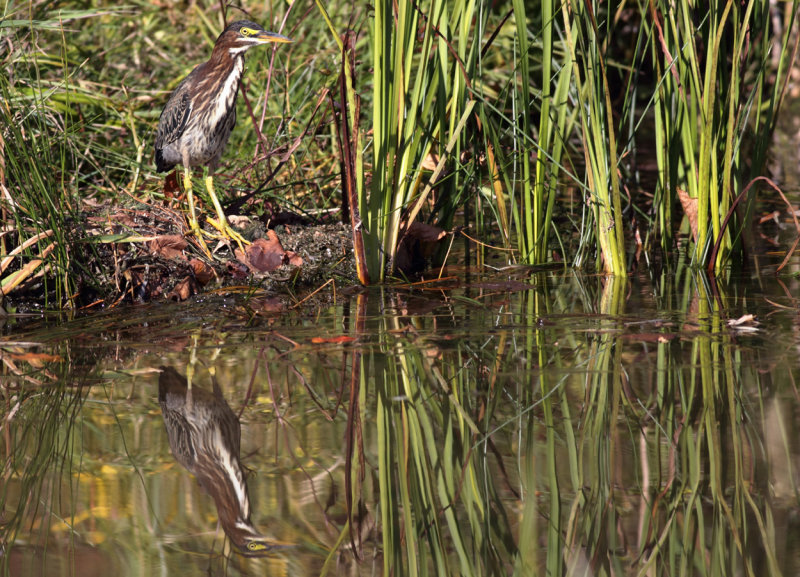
x: 522, y: 424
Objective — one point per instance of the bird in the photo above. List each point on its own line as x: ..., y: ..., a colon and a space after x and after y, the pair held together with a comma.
x: 196, y: 123
x: 205, y: 437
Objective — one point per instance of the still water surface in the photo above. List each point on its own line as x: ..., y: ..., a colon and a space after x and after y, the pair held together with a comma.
x: 534, y: 424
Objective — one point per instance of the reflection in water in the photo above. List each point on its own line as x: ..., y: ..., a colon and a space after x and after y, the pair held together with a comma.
x: 616, y: 435
x: 204, y: 436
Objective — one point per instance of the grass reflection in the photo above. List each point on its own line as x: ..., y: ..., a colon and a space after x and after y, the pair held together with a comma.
x: 626, y: 480
x: 35, y: 448
x: 575, y: 433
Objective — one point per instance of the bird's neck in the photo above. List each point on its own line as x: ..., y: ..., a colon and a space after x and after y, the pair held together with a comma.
x: 228, y: 70
x: 230, y: 65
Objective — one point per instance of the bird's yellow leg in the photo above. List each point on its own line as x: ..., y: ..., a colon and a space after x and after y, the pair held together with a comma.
x: 187, y: 186
x: 192, y: 362
x: 222, y: 223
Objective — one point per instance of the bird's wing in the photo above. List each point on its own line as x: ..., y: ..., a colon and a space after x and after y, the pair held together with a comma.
x: 173, y: 119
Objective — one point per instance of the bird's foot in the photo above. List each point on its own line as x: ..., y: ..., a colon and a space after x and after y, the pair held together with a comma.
x: 196, y: 230
x: 227, y: 233
x: 198, y: 233
x: 221, y: 224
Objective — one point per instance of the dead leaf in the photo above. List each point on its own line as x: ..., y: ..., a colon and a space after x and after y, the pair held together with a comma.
x: 183, y: 290
x: 169, y: 246
x: 335, y: 340
x: 293, y: 259
x: 744, y: 324
x: 202, y: 271
x: 416, y: 245
x: 270, y: 305
x: 747, y: 319
x: 237, y: 269
x: 689, y: 205
x: 265, y: 254
x: 239, y: 221
x: 430, y: 162
x: 171, y: 187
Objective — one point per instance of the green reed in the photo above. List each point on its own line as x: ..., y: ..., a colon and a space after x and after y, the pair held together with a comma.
x: 38, y: 160
x: 440, y: 511
x: 540, y: 87
x: 598, y: 134
x: 53, y: 145
x: 420, y: 103
x: 715, y: 88
x: 503, y: 120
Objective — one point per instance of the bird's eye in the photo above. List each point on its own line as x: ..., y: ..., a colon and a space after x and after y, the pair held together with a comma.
x: 256, y: 546
x: 247, y: 32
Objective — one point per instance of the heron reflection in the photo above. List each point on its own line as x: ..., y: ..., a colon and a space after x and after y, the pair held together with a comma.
x: 205, y: 436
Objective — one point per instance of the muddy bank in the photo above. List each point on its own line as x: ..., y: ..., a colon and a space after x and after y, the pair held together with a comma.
x: 133, y: 255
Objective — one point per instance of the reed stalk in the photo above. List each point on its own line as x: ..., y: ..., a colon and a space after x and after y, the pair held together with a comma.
x: 714, y: 89
x: 598, y: 133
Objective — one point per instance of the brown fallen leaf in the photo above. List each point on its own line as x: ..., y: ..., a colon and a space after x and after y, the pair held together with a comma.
x: 747, y: 319
x: 293, y: 259
x: 237, y: 269
x: 430, y: 162
x: 416, y: 245
x: 747, y: 323
x: 269, y: 305
x: 265, y: 254
x: 169, y: 246
x: 171, y: 187
x: 183, y: 290
x: 239, y: 221
x: 202, y: 271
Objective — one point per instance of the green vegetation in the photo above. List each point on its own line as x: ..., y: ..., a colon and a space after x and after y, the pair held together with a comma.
x: 532, y: 428
x: 523, y: 122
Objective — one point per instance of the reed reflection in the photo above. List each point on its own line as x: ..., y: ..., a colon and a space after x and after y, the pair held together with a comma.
x: 204, y: 436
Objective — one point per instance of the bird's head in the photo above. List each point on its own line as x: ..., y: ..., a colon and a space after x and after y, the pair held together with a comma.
x: 244, y: 34
x: 250, y: 543
x: 256, y: 548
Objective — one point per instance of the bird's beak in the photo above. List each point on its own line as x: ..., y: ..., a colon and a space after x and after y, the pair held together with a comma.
x: 270, y: 37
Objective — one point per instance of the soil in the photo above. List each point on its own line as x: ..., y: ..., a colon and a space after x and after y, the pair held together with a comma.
x: 135, y: 255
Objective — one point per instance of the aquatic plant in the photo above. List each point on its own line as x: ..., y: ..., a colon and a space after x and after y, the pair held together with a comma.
x: 519, y: 127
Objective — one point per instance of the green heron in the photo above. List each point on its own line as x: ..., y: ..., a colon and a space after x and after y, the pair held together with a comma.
x: 205, y: 437
x: 197, y: 121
